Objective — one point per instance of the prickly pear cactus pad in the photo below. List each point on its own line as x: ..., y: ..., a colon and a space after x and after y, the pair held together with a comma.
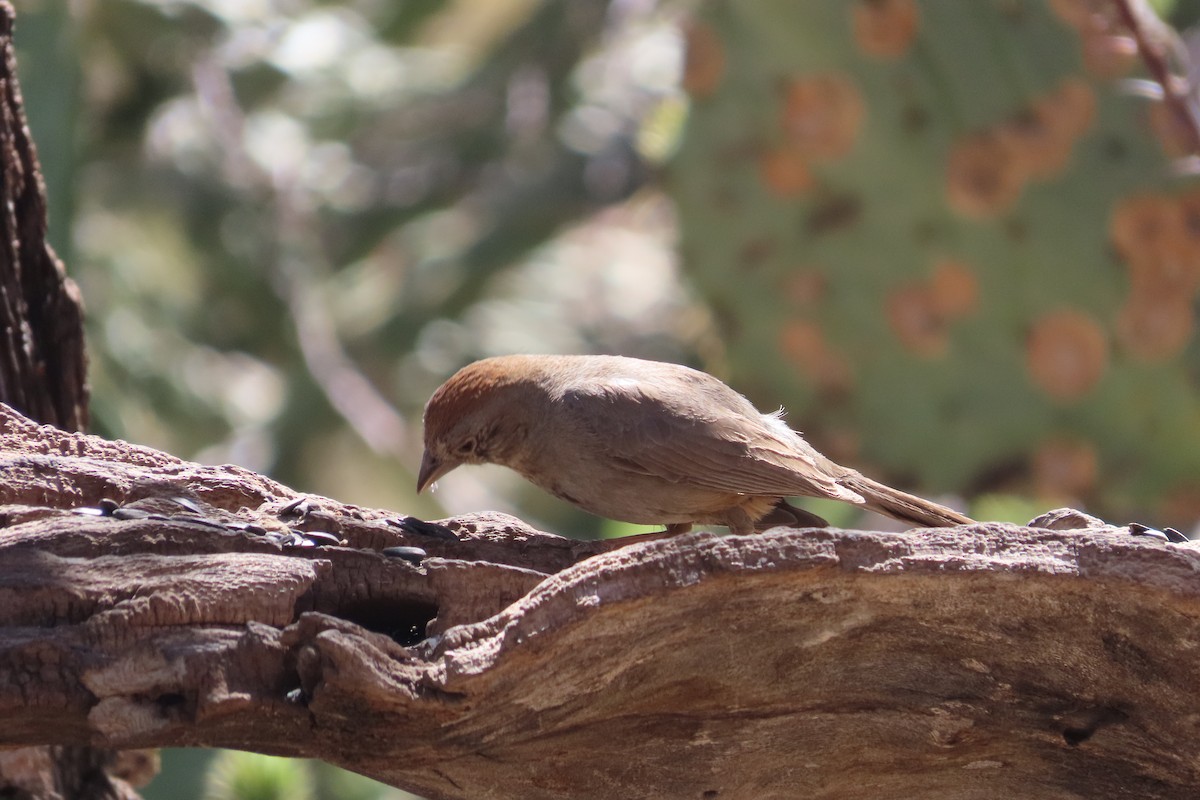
x: 951, y: 238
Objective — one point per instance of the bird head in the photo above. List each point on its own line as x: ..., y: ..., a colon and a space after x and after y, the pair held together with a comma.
x: 478, y: 416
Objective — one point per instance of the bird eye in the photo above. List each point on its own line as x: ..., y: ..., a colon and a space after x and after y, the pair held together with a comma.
x: 467, y: 447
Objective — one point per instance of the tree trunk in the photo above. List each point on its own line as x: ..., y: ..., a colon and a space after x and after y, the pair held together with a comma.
x: 43, y: 372
x: 43, y: 369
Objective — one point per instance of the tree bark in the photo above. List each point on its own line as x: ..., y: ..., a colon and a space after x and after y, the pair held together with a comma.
x: 146, y: 601
x: 43, y: 369
x: 43, y: 372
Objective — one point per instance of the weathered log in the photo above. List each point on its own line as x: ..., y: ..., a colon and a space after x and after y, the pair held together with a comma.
x: 984, y: 661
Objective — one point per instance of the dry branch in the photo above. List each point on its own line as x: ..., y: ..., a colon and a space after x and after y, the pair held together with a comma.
x: 984, y: 662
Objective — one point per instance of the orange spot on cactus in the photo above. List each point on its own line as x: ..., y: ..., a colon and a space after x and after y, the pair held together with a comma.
x: 822, y: 115
x: 1073, y: 104
x: 1042, y: 136
x: 1176, y: 136
x: 1066, y: 354
x: 805, y: 288
x: 704, y: 62
x: 913, y: 314
x: 1155, y: 329
x: 803, y: 343
x: 1158, y: 237
x: 785, y: 172
x: 885, y: 28
x: 1189, y: 209
x: 1077, y: 13
x: 1107, y: 52
x: 955, y: 289
x: 919, y: 313
x: 1041, y: 144
x: 844, y: 445
x: 1105, y: 56
x: 1148, y: 228
x: 1065, y: 468
x: 1172, y: 279
x: 984, y: 176
x: 1189, y: 212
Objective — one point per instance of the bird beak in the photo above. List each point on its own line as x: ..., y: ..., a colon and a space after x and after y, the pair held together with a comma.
x: 431, y: 470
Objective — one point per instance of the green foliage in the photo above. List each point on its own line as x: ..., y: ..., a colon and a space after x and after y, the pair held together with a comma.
x: 1005, y: 508
x: 181, y: 775
x: 248, y: 776
x: 50, y: 91
x: 338, y: 784
x: 948, y: 233
x: 232, y: 775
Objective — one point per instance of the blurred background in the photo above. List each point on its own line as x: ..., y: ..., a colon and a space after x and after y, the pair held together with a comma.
x: 960, y: 242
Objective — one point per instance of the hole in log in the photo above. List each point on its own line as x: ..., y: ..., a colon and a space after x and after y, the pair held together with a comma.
x: 170, y: 700
x: 1084, y: 724
x: 405, y: 623
x: 173, y: 705
x: 1077, y: 736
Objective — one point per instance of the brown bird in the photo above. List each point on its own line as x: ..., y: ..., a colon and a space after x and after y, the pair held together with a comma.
x: 645, y: 442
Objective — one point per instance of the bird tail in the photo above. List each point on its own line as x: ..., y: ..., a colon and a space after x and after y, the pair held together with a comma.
x: 900, y: 505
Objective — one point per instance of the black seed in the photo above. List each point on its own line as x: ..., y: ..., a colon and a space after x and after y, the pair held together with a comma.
x: 88, y: 511
x: 320, y: 537
x: 1174, y: 535
x: 1138, y: 529
x: 297, y: 507
x: 204, y: 522
x: 422, y: 528
x: 188, y: 503
x: 413, y: 555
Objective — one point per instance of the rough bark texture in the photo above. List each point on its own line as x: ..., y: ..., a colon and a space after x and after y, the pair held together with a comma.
x: 991, y: 661
x: 43, y: 370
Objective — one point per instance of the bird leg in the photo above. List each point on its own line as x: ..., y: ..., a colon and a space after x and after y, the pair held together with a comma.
x: 739, y: 522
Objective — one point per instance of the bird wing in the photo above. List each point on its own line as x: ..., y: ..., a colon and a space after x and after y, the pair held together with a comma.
x: 704, y: 439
